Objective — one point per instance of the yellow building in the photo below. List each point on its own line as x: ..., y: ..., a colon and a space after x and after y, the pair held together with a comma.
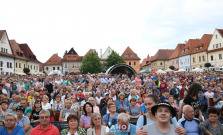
x: 131, y: 58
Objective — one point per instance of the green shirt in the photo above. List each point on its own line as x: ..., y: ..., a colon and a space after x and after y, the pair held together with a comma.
x: 27, y: 110
x: 27, y: 85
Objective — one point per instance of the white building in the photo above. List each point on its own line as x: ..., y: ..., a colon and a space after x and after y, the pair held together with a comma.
x: 106, y: 54
x: 6, y: 55
x: 184, y: 63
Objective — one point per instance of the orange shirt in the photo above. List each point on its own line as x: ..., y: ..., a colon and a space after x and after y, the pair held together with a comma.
x: 52, y: 130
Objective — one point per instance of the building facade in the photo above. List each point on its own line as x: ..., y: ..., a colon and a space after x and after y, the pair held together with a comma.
x: 53, y: 63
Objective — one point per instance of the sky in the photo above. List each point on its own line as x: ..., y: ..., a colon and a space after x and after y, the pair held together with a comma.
x: 54, y: 26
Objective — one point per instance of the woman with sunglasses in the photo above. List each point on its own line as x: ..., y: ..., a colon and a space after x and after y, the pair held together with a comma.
x: 36, y: 110
x: 23, y: 121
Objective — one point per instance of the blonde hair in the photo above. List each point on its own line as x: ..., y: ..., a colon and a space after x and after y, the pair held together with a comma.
x: 121, y: 94
x: 45, y: 96
x: 93, y: 115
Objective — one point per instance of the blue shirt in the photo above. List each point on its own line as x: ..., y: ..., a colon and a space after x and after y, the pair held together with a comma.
x: 119, y: 104
x: 17, y: 131
x: 140, y: 122
x: 191, y: 127
x: 112, y: 120
x: 143, y: 108
x: 115, y: 129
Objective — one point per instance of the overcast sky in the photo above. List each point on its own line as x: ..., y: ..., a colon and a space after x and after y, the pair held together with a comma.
x: 53, y: 26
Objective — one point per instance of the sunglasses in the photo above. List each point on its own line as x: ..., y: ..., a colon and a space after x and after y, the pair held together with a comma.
x: 46, y: 117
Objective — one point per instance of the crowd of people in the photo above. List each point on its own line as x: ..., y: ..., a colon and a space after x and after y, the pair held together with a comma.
x: 100, y: 104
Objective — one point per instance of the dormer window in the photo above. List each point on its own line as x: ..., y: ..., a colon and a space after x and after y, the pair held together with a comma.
x: 216, y: 36
x: 196, y: 48
x: 50, y: 61
x: 126, y: 55
x: 55, y: 61
x: 132, y: 55
x: 200, y: 47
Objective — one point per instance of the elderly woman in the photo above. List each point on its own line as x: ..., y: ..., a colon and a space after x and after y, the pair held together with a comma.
x: 95, y: 108
x: 133, y: 95
x: 133, y: 111
x: 75, y: 104
x: 73, y: 129
x: 45, y: 104
x: 4, y: 109
x: 58, y: 105
x: 98, y: 97
x: 123, y: 127
x: 85, y: 119
x: 23, y: 121
x: 217, y: 98
x: 36, y: 111
x: 121, y: 103
x: 96, y: 125
x: 212, y: 126
x: 66, y: 111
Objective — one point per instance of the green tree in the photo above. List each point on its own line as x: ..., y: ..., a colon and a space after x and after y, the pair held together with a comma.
x: 26, y: 70
x: 171, y: 67
x: 207, y: 65
x: 91, y: 64
x: 114, y: 59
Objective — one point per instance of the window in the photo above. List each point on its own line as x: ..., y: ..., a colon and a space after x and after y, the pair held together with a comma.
x: 108, y: 51
x: 10, y: 65
x: 55, y: 61
x: 203, y: 58
x: 126, y: 55
x: 212, y: 58
x: 134, y: 63
x: 46, y: 68
x: 16, y: 65
x: 220, y: 56
x: 28, y: 66
x: 216, y: 36
x: 196, y: 48
x: 65, y: 65
x: 31, y: 67
x: 50, y: 61
x: 1, y: 49
x: 193, y: 60
x: 34, y: 67
x: 199, y: 58
x: 19, y: 65
x: 53, y: 68
x: 24, y: 65
x: 130, y: 63
x: 213, y: 46
x: 161, y: 63
x: 186, y: 50
x: 132, y: 55
x: 68, y: 56
x: 176, y: 61
x: 219, y: 44
x: 200, y: 47
x: 58, y: 68
x: 216, y: 45
x: 6, y: 50
x: 74, y: 56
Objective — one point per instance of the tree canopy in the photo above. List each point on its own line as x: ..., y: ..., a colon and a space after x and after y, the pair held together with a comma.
x: 207, y: 65
x: 91, y: 64
x: 114, y: 59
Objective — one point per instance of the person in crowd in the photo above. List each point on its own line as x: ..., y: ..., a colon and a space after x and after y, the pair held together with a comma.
x: 45, y: 102
x: 20, y: 86
x: 140, y: 103
x: 96, y: 125
x: 192, y: 100
x: 123, y: 127
x: 95, y: 107
x: 75, y: 104
x: 183, y: 90
x: 22, y: 94
x: 165, y: 96
x: 121, y: 103
x: 155, y: 91
x: 45, y: 127
x: 133, y: 95
x: 26, y: 84
x: 10, y: 127
x: 30, y: 96
x: 3, y: 91
x: 12, y: 100
x: 51, y: 115
x: 13, y: 89
x: 58, y: 105
x: 28, y: 110
x: 189, y: 122
x: 105, y: 109
x: 49, y: 86
x: 172, y: 103
x: 67, y: 110
x: 209, y: 93
x: 32, y: 101
x: 98, y: 98
x: 163, y: 113
x: 86, y: 96
x: 217, y: 98
x: 203, y: 100
x: 2, y: 123
x: 14, y: 105
x: 85, y: 119
x: 73, y: 129
x: 103, y: 100
x: 133, y: 111
x: 4, y: 110
x: 110, y: 118
x: 212, y: 126
x: 220, y: 119
x: 175, y: 92
x: 23, y: 120
x: 36, y: 110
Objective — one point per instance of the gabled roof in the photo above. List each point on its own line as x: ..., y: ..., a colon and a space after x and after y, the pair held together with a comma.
x: 19, y: 54
x: 53, y: 60
x: 188, y: 47
x: 177, y: 51
x: 128, y: 51
x: 203, y: 44
x: 72, y: 52
x: 2, y: 33
x: 146, y: 61
x: 162, y: 54
x: 28, y: 53
x: 90, y: 51
x: 220, y: 31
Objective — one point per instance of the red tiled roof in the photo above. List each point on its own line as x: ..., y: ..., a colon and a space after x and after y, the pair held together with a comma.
x: 177, y: 51
x: 220, y: 31
x: 162, y: 54
x: 2, y: 33
x: 128, y: 51
x: 190, y: 46
x: 90, y: 51
x: 28, y: 53
x: 16, y: 50
x: 72, y: 56
x: 203, y: 44
x: 53, y: 60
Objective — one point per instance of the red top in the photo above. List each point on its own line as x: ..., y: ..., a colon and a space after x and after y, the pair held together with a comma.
x: 52, y: 130
x: 82, y: 95
x: 122, y: 103
x: 182, y: 93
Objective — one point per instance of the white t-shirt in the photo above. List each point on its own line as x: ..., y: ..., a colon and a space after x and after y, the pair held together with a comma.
x: 209, y: 95
x: 4, y: 91
x: 70, y: 134
x: 47, y: 106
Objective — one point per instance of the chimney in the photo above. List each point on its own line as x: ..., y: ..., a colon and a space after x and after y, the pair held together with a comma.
x: 100, y: 53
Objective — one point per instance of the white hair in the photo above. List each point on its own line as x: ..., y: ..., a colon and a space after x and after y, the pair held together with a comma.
x: 44, y: 111
x: 185, y: 108
x: 11, y: 114
x: 123, y: 117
